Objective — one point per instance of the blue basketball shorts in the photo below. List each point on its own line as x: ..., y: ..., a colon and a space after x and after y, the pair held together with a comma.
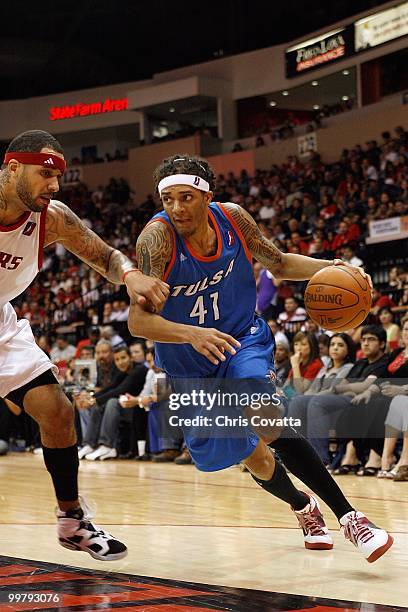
x: 251, y: 369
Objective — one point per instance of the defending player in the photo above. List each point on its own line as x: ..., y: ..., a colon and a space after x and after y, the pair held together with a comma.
x: 30, y: 219
x: 208, y: 330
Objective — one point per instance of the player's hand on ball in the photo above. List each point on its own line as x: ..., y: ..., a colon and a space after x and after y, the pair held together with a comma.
x: 339, y: 262
x: 213, y: 343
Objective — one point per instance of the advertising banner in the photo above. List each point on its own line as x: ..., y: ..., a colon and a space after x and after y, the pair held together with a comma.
x: 381, y: 27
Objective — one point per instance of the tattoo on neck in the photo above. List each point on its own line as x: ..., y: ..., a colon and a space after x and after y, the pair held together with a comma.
x: 4, y: 179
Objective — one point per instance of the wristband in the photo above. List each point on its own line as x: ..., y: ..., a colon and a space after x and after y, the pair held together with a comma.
x: 336, y: 260
x: 128, y: 272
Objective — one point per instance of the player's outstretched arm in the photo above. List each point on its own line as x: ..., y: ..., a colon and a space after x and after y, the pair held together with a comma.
x: 64, y: 226
x: 154, y: 249
x: 287, y: 266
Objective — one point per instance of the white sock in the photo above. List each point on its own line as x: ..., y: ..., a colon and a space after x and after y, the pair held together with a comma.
x: 141, y: 447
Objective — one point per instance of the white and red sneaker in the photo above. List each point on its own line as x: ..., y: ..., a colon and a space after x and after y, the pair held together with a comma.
x: 316, y: 535
x: 371, y: 541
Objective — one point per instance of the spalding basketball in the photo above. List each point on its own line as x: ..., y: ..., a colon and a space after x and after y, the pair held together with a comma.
x: 338, y: 298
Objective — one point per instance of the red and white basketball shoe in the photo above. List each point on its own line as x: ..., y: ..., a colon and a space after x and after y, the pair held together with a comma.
x: 371, y: 541
x: 316, y: 535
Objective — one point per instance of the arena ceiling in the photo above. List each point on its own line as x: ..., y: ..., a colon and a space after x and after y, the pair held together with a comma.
x: 50, y: 47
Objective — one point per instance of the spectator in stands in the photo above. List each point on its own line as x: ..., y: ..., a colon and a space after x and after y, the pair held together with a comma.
x: 44, y: 343
x: 171, y: 438
x: 396, y: 277
x: 87, y: 352
x: 107, y: 311
x: 267, y: 294
x: 107, y: 372
x: 94, y: 335
x: 101, y: 439
x: 325, y: 412
x: 267, y: 211
x: 328, y: 209
x: 278, y: 334
x: 342, y: 237
x: 387, y: 400
x: 62, y: 351
x: 293, y: 316
x: 297, y: 243
x: 305, y: 364
x: 393, y: 331
x: 403, y: 301
x: 120, y: 311
x: 108, y: 333
x: 381, y: 301
x: 319, y: 247
x: 145, y: 400
x: 324, y: 348
x: 282, y: 361
x: 137, y: 352
x: 349, y: 256
x: 107, y: 375
x: 342, y: 354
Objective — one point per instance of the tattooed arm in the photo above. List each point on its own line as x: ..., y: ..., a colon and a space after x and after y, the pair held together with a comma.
x: 64, y: 226
x: 154, y: 250
x: 287, y: 266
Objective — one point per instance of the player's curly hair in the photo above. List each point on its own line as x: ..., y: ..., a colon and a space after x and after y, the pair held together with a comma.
x: 183, y: 163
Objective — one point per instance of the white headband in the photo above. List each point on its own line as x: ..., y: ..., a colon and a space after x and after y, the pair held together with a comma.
x: 183, y: 179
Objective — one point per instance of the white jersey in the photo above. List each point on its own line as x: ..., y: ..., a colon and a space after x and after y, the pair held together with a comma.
x: 21, y: 254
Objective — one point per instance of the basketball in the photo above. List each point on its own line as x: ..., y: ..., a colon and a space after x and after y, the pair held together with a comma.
x: 338, y: 298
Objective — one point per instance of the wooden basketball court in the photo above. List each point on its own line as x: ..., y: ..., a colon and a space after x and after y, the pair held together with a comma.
x: 207, y: 530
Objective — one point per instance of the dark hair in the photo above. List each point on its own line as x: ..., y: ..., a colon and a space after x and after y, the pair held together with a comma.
x: 33, y: 141
x: 386, y: 309
x: 150, y: 351
x: 87, y: 347
x: 184, y: 164
x: 376, y: 330
x: 351, y: 347
x: 312, y: 341
x: 139, y: 341
x: 121, y: 347
x: 324, y: 339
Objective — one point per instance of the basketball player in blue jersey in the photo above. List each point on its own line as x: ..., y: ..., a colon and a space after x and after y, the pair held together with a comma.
x: 207, y: 330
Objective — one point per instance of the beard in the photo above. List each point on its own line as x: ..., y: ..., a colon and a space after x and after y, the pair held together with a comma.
x: 23, y: 192
x: 185, y: 233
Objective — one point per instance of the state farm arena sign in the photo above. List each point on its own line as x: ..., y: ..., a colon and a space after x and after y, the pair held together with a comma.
x: 322, y: 50
x: 84, y: 110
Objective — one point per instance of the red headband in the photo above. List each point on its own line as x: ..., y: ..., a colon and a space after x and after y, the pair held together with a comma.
x: 48, y: 160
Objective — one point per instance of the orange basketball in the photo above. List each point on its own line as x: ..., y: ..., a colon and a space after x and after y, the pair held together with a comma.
x: 338, y: 298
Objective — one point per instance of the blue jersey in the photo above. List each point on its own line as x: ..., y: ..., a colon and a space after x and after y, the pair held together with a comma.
x: 216, y: 291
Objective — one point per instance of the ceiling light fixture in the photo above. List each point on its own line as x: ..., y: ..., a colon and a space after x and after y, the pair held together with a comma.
x: 315, y: 83
x: 316, y: 107
x: 344, y: 98
x: 285, y: 93
x: 172, y: 109
x: 346, y: 72
x: 272, y: 103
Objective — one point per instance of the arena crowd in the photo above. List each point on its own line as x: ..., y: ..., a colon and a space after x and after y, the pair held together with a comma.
x: 312, y: 208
